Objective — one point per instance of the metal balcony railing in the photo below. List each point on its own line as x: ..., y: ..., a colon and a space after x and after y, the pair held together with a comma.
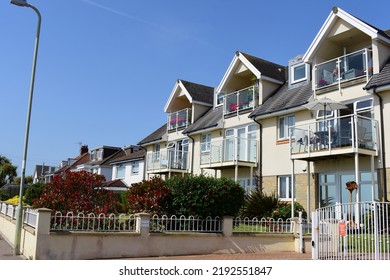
x: 231, y: 149
x: 179, y: 119
x: 239, y: 100
x: 167, y: 160
x: 346, y: 132
x: 354, y: 65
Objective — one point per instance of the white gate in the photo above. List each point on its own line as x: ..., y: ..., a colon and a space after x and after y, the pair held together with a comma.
x: 357, y: 231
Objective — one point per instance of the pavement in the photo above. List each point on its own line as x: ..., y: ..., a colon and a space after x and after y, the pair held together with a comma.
x: 236, y: 256
x: 7, y: 252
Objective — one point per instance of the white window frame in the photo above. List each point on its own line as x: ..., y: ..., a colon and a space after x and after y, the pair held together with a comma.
x: 292, y: 73
x: 286, y: 127
x: 205, y: 143
x: 122, y: 168
x: 133, y: 165
x: 288, y: 186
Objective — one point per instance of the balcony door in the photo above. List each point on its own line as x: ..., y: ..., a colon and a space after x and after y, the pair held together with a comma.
x: 240, y: 143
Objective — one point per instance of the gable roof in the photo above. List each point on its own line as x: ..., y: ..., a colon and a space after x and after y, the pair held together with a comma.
x: 267, y: 68
x: 284, y: 99
x: 81, y: 159
x: 380, y: 79
x: 260, y: 68
x: 156, y: 135
x: 127, y: 156
x: 212, y: 118
x: 336, y: 13
x: 198, y: 92
x: 195, y: 93
x: 42, y: 169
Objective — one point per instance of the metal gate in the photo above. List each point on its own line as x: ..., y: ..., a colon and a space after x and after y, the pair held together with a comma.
x: 353, y: 231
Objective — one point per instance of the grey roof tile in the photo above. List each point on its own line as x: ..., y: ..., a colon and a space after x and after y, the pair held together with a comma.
x: 283, y: 99
x: 380, y: 79
x: 155, y: 135
x: 210, y: 119
x: 267, y: 68
x: 198, y: 92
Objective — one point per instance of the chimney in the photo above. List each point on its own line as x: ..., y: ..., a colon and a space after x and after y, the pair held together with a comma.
x: 83, y: 149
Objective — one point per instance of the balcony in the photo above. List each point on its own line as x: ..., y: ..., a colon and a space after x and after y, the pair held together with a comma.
x: 229, y: 152
x: 344, y: 68
x: 240, y: 100
x: 345, y: 135
x: 179, y: 119
x: 166, y: 161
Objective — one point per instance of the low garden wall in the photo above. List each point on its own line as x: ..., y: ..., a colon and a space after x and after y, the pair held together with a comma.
x: 42, y: 242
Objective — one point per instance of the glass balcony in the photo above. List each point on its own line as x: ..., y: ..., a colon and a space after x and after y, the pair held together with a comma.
x: 231, y: 150
x: 239, y: 100
x: 167, y: 160
x: 340, y: 135
x: 179, y: 119
x: 344, y: 68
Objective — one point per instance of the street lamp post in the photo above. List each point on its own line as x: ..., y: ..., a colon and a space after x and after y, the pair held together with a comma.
x: 19, y: 215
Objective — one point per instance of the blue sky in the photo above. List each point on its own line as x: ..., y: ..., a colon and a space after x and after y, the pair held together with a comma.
x: 107, y: 67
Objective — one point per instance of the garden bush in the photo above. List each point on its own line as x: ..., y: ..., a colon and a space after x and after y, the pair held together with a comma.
x: 205, y: 196
x: 33, y: 192
x: 151, y: 196
x: 77, y: 192
x: 261, y: 205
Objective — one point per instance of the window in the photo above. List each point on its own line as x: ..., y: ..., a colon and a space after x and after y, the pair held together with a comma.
x: 298, y: 73
x: 93, y: 155
x: 120, y: 171
x: 219, y: 97
x: 285, y: 123
x: 100, y: 154
x: 156, y: 151
x: 205, y: 143
x: 135, y: 168
x: 171, y: 145
x: 247, y: 184
x: 284, y: 187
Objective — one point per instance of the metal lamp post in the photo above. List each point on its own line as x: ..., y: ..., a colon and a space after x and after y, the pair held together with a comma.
x: 19, y: 215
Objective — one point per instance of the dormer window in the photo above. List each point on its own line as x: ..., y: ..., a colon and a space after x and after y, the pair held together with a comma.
x: 220, y: 97
x: 298, y: 73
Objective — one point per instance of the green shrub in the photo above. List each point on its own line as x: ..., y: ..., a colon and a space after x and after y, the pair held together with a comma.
x: 33, y: 192
x: 283, y: 211
x: 205, y: 196
x: 259, y: 204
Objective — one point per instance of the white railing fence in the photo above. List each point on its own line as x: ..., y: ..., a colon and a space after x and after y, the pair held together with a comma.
x: 93, y: 222
x: 352, y: 231
x: 185, y: 224
x: 263, y: 225
x: 9, y: 210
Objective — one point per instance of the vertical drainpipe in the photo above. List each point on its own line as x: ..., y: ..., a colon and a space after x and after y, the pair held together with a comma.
x: 260, y: 168
x: 143, y: 148
x: 192, y: 154
x: 382, y: 126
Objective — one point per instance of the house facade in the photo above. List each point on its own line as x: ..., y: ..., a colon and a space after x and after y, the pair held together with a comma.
x: 128, y: 165
x: 262, y: 130
x: 168, y: 149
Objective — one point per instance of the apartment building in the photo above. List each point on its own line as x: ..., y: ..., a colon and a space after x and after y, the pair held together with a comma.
x: 303, y: 130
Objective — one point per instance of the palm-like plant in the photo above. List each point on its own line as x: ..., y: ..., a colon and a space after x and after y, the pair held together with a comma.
x: 259, y: 204
x: 7, y: 171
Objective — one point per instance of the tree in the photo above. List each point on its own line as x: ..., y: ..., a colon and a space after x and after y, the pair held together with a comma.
x: 7, y: 171
x: 77, y: 192
x: 27, y: 180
